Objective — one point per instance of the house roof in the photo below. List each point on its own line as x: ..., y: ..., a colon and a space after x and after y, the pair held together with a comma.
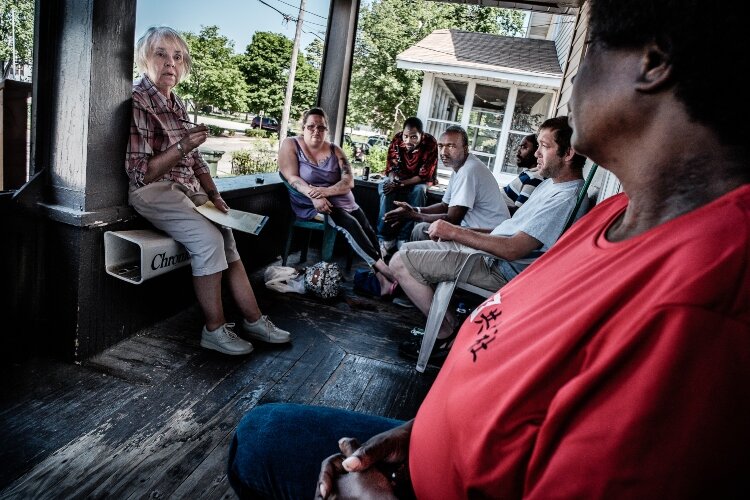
x: 456, y: 49
x: 550, y: 6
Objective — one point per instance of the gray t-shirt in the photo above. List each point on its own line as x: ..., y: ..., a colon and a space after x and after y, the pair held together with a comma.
x: 542, y: 217
x: 474, y: 187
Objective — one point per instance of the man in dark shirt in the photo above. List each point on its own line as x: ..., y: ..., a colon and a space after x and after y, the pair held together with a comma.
x: 411, y: 168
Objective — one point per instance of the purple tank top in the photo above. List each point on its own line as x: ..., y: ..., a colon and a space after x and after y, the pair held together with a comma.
x: 324, y: 175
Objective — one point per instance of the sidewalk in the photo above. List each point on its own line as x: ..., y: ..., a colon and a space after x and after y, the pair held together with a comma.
x: 222, y: 122
x: 227, y: 144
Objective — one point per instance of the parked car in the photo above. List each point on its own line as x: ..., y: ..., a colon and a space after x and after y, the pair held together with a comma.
x: 268, y: 123
x: 360, y: 148
x: 377, y: 140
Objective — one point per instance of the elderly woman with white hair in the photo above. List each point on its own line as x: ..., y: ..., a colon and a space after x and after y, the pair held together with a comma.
x: 168, y: 178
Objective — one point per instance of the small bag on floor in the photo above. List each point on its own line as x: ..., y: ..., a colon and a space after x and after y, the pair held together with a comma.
x: 323, y: 279
x: 284, y: 279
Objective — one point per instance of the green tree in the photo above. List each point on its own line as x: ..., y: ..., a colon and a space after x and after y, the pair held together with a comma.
x: 23, y: 10
x: 266, y: 68
x: 383, y: 95
x: 215, y: 78
x: 314, y: 53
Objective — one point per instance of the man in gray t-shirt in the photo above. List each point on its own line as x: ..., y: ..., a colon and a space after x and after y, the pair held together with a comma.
x: 472, y: 198
x: 515, y: 242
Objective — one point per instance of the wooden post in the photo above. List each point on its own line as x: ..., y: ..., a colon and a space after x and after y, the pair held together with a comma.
x: 336, y: 68
x: 13, y: 131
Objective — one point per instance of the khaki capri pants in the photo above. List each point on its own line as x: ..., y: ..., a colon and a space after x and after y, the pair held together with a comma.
x: 169, y: 206
x: 431, y: 262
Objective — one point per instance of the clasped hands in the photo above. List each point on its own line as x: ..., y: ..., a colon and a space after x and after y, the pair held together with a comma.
x: 376, y: 470
x: 319, y: 195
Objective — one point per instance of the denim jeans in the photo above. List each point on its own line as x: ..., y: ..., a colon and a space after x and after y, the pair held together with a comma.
x: 416, y: 196
x: 277, y: 449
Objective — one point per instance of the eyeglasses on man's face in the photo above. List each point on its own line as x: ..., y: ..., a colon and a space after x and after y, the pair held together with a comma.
x: 313, y: 128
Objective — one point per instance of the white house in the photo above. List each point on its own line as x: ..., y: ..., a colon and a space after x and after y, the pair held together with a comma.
x: 498, y: 88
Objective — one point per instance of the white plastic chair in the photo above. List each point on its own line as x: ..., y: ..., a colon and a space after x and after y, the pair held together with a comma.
x: 441, y: 299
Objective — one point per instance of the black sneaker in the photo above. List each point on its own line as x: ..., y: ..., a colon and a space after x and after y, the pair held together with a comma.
x: 410, y: 348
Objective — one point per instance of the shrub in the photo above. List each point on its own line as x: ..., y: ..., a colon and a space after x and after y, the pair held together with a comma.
x: 215, y: 131
x: 377, y: 159
x: 254, y: 161
x: 231, y: 132
x: 255, y: 132
x: 348, y: 150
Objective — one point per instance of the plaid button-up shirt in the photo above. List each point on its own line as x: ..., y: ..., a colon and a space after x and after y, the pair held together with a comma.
x: 156, y: 126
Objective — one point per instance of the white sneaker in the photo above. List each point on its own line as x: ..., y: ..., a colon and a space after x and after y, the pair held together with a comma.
x: 224, y: 340
x: 265, y: 331
x: 386, y: 247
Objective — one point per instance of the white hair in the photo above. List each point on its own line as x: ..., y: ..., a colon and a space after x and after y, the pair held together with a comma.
x: 147, y: 42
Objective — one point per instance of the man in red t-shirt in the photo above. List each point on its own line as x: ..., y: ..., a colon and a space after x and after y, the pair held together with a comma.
x: 411, y: 169
x: 615, y: 366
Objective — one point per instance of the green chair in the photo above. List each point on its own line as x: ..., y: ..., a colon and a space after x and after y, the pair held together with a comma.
x: 316, y: 224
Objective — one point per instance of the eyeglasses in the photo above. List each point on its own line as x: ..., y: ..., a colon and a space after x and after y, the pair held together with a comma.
x: 313, y: 128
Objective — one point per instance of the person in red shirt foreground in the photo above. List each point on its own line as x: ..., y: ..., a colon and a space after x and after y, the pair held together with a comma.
x: 615, y: 366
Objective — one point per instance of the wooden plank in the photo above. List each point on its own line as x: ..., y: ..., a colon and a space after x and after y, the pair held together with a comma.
x: 223, y: 408
x: 396, y: 392
x: 46, y: 420
x: 347, y: 384
x: 209, y: 479
x: 162, y: 425
x: 115, y: 445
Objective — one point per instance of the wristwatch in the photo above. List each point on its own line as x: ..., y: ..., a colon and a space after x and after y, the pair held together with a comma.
x: 181, y: 150
x: 418, y: 209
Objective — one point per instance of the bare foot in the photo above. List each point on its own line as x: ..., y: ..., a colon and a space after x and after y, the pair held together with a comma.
x: 386, y: 285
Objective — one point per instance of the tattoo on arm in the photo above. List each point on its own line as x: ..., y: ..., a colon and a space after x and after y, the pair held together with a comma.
x: 346, y: 169
x: 211, y: 194
x: 296, y: 185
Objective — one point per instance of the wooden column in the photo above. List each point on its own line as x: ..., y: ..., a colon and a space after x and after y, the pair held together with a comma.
x: 82, y: 85
x: 336, y: 69
x: 13, y: 128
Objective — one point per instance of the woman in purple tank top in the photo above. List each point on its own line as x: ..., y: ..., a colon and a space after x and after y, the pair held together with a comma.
x: 322, y: 176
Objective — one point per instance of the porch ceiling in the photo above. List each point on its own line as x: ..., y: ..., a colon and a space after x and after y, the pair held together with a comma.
x: 550, y: 6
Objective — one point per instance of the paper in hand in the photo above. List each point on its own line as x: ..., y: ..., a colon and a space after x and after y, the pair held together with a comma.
x: 236, y: 219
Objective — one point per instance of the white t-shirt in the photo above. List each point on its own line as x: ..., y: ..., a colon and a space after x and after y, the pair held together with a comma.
x: 474, y: 187
x: 542, y: 217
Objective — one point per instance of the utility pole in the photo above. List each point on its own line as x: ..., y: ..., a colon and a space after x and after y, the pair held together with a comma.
x: 13, y: 39
x: 292, y: 70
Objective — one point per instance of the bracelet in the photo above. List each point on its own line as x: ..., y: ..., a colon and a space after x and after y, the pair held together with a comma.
x: 418, y: 209
x: 181, y: 150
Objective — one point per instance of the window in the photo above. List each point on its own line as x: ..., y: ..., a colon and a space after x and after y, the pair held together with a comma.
x: 530, y: 110
x: 496, y: 119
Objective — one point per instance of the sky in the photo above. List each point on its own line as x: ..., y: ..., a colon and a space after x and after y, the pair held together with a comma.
x: 237, y: 19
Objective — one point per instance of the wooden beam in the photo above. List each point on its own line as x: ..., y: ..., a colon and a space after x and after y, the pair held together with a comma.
x: 336, y: 67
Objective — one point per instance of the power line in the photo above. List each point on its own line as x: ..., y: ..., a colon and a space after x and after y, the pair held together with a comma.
x: 305, y: 11
x: 315, y: 35
x: 286, y: 16
x: 289, y: 17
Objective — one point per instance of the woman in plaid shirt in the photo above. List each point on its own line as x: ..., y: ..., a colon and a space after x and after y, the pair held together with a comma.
x: 168, y: 178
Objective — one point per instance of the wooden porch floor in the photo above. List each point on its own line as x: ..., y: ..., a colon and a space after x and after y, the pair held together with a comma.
x: 154, y: 415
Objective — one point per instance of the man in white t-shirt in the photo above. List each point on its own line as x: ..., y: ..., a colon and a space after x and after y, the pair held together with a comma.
x: 515, y: 242
x: 472, y: 198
